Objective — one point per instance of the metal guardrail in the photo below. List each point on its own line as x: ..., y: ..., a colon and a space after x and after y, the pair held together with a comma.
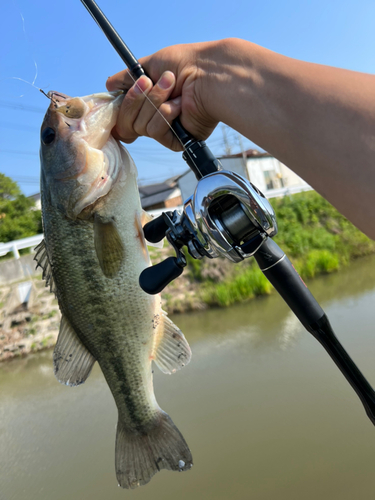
x: 14, y: 246
x: 33, y: 241
x: 286, y: 191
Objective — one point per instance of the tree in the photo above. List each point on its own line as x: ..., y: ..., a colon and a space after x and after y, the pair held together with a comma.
x: 18, y: 216
x: 9, y: 189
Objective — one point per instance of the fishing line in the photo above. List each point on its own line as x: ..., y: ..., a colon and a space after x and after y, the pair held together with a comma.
x: 31, y: 53
x: 27, y: 41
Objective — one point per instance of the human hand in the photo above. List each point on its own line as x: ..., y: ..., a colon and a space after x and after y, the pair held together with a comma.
x: 182, y: 89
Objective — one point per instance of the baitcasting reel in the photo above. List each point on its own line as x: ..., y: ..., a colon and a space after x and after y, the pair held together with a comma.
x: 227, y: 216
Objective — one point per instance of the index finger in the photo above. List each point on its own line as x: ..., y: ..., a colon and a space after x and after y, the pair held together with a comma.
x: 120, y: 81
x: 123, y: 80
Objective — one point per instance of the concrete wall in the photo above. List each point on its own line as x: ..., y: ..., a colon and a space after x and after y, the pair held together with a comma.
x: 17, y: 269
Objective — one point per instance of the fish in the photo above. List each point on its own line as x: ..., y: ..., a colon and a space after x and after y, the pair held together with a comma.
x: 92, y: 254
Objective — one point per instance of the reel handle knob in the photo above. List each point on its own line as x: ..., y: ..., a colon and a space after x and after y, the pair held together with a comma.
x: 155, y: 278
x: 155, y: 230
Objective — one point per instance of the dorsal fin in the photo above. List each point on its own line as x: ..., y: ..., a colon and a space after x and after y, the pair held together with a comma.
x: 72, y: 362
x: 171, y: 350
x: 41, y: 258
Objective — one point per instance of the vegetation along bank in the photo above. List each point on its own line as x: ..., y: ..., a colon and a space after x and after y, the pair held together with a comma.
x: 316, y: 238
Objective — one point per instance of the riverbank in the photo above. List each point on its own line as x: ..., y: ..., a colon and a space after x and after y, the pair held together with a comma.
x: 313, y: 234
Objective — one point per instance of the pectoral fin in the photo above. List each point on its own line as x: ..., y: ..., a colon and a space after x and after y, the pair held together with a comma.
x: 109, y: 247
x: 72, y: 362
x: 145, y: 217
x: 171, y: 351
x: 42, y: 260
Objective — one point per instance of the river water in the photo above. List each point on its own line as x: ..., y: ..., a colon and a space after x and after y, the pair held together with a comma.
x: 266, y: 413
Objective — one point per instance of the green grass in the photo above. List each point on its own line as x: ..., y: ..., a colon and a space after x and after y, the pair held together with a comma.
x: 50, y: 314
x: 237, y: 288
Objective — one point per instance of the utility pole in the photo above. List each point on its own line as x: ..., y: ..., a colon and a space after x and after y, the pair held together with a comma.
x: 227, y: 146
x: 244, y: 156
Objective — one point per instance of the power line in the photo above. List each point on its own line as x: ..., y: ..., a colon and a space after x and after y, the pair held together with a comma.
x: 12, y: 152
x: 21, y: 107
x: 18, y: 126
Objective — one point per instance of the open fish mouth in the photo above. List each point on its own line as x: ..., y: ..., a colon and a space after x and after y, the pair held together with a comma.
x: 104, y: 180
x: 57, y: 96
x: 82, y: 149
x: 84, y: 108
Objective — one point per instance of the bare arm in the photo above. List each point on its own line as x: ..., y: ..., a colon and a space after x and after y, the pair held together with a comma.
x: 318, y: 120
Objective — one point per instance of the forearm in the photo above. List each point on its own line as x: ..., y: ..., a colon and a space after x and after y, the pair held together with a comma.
x: 318, y: 120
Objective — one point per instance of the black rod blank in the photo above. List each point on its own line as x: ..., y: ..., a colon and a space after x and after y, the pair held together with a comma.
x: 278, y: 269
x: 117, y: 42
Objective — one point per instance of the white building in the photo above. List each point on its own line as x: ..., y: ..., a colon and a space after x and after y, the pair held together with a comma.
x: 37, y: 199
x: 267, y: 173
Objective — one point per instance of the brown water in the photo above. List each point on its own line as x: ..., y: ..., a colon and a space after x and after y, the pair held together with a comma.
x: 266, y: 413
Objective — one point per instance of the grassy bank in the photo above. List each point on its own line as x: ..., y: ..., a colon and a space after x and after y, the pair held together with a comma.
x: 314, y: 235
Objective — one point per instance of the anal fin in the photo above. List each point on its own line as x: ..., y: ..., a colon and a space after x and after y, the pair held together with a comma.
x: 72, y: 362
x: 171, y: 351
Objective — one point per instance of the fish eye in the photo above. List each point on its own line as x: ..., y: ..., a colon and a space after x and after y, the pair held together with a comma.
x: 48, y: 136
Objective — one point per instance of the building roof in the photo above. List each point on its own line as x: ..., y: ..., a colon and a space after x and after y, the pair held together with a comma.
x: 152, y: 194
x: 250, y: 153
x: 35, y: 197
x: 154, y: 199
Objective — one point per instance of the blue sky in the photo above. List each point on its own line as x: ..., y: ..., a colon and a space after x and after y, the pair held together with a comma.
x: 74, y: 57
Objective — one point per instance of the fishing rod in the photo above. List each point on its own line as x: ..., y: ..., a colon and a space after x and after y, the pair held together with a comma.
x: 227, y: 216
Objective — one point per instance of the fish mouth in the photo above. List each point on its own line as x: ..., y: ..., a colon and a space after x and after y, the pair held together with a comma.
x: 103, y: 182
x: 52, y: 94
x: 101, y: 116
x: 92, y: 156
x: 57, y: 98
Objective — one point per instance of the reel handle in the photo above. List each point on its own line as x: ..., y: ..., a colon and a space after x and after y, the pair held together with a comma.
x: 155, y: 230
x: 155, y: 278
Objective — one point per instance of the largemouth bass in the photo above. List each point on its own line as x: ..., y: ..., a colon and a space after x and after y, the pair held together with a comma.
x: 92, y: 255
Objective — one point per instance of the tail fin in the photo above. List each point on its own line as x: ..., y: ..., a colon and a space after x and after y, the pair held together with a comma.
x: 139, y: 456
